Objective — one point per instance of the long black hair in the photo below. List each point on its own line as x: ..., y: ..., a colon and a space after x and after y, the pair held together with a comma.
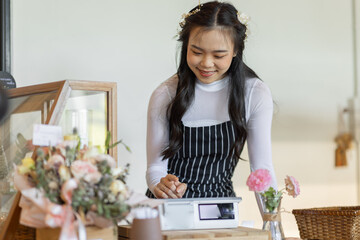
x: 211, y: 15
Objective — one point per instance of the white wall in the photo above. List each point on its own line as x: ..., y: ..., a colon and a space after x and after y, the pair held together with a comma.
x: 303, y: 50
x: 300, y: 48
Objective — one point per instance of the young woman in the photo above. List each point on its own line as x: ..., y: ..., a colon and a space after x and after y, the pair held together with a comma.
x: 200, y: 118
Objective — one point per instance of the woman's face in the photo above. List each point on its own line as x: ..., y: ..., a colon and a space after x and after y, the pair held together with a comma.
x: 209, y: 54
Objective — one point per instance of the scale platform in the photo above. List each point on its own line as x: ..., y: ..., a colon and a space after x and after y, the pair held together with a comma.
x: 199, y: 213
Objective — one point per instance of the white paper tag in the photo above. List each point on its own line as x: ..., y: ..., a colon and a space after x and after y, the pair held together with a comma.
x: 47, y: 135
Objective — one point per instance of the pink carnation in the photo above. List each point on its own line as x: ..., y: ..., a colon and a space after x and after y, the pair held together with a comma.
x: 292, y: 186
x: 259, y: 180
x: 85, y: 170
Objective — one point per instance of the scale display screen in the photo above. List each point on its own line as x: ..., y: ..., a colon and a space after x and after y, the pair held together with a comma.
x: 216, y: 211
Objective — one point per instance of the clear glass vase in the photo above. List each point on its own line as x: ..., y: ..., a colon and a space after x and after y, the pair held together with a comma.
x: 272, y: 219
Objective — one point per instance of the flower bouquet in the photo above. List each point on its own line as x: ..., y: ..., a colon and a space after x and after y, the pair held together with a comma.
x: 259, y: 181
x: 67, y: 186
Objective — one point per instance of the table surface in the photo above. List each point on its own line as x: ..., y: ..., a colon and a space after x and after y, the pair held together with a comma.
x: 241, y: 233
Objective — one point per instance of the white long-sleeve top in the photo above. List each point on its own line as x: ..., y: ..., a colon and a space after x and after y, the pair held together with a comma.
x: 210, y: 107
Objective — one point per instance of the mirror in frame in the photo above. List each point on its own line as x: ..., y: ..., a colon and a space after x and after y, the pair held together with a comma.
x: 88, y: 106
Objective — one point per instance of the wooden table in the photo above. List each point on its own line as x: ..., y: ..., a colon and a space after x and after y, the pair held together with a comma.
x: 241, y: 233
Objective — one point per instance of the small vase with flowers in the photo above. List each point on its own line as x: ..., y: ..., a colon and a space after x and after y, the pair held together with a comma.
x: 259, y: 181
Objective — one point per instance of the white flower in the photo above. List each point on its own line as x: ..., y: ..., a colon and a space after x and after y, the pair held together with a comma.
x: 91, y: 153
x: 104, y: 157
x: 116, y: 171
x: 244, y: 19
x: 64, y: 173
x: 117, y: 186
x: 53, y: 185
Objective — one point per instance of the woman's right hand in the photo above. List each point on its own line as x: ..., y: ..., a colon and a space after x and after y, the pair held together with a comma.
x: 170, y: 187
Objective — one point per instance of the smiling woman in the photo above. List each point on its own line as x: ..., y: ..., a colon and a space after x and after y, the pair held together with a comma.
x: 199, y: 119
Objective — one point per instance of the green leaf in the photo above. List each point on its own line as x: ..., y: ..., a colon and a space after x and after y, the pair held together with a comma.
x: 108, y: 146
x: 114, y: 144
x: 127, y: 148
x: 107, y: 140
x: 100, y: 208
x: 107, y: 212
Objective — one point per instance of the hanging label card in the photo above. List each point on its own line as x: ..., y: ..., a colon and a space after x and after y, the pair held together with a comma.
x: 7, y: 81
x: 47, y: 135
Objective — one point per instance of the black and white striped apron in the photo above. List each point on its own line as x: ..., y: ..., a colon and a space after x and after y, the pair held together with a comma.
x: 204, y: 162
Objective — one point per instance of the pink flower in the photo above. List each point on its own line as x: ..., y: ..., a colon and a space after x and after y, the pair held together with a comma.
x: 259, y: 180
x: 104, y: 157
x: 54, y: 161
x: 55, y: 215
x: 85, y: 170
x: 292, y: 186
x: 61, y: 216
x: 67, y: 190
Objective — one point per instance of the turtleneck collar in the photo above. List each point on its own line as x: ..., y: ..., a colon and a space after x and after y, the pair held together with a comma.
x: 214, y: 86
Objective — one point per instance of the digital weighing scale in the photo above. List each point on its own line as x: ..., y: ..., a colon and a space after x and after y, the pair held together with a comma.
x: 199, y: 213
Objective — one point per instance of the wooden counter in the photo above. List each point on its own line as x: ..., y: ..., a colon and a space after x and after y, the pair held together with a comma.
x: 241, y: 233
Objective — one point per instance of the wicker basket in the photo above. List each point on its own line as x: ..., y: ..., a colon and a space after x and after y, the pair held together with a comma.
x: 329, y: 223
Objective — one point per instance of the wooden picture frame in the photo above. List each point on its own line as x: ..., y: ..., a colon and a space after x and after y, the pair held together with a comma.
x: 50, y: 99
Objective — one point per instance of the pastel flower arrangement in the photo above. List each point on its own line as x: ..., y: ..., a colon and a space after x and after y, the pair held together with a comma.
x: 260, y: 181
x: 67, y: 184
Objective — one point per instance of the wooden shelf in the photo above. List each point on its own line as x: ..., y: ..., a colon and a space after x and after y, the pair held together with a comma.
x: 240, y: 233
